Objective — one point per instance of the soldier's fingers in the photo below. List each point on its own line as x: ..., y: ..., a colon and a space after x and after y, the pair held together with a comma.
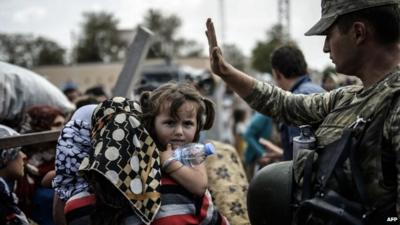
x: 213, y: 36
x: 208, y: 39
x: 208, y: 23
x: 211, y: 32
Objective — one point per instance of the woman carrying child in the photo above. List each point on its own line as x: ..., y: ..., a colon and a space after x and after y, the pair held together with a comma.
x: 125, y: 166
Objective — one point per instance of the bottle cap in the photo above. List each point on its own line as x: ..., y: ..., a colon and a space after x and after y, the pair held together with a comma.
x: 305, y: 132
x: 209, y: 149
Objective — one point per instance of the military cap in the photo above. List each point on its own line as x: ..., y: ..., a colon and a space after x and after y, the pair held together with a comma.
x: 332, y: 9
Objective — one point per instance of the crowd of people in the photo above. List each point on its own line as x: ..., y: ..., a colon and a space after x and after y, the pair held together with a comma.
x: 56, y: 189
x: 113, y: 161
x: 33, y: 188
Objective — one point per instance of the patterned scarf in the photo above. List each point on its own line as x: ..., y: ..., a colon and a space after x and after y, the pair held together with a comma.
x: 125, y: 154
x: 7, y: 155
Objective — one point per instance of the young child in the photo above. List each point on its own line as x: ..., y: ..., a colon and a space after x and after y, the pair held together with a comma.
x: 125, y: 168
x: 11, y: 169
x: 174, y: 114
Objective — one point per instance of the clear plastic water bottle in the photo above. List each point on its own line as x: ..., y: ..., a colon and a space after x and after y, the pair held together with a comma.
x: 193, y: 153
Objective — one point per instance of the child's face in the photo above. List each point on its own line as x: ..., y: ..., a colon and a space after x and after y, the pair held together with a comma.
x: 176, y: 131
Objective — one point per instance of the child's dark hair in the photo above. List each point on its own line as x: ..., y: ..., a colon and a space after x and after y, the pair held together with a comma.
x: 177, y: 94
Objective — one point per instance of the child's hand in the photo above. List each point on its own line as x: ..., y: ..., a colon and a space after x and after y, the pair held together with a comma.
x: 171, y: 165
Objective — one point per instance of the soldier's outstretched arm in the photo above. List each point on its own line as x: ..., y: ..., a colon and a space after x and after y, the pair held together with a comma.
x: 240, y: 82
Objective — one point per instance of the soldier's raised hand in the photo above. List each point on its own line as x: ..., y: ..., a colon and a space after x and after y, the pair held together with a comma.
x: 218, y: 65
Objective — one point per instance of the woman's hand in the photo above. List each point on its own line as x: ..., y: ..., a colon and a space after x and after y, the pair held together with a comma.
x: 218, y: 65
x: 166, y: 154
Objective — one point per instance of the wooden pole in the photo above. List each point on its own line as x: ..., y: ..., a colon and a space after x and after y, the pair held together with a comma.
x: 28, y: 139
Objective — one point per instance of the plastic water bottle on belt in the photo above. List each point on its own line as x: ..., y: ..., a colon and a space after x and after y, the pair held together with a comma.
x: 193, y: 153
x: 306, y: 140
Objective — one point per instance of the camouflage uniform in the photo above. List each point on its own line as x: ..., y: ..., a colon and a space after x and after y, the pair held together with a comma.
x: 331, y: 112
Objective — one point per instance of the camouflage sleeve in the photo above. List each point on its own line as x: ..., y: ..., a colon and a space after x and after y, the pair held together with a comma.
x: 295, y: 109
x: 392, y: 132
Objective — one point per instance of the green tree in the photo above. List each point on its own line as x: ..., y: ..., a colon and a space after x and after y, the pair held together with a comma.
x: 28, y: 51
x: 166, y: 43
x: 261, y: 54
x: 100, y: 40
x: 165, y: 28
x: 50, y: 52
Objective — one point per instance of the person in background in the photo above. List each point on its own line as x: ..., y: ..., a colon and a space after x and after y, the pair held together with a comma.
x: 289, y: 70
x: 98, y: 92
x: 71, y: 90
x: 85, y: 100
x: 11, y: 169
x: 34, y: 190
x: 240, y: 120
x: 260, y: 126
x: 39, y: 118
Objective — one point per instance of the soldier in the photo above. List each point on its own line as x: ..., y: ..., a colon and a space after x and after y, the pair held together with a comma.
x: 358, y: 127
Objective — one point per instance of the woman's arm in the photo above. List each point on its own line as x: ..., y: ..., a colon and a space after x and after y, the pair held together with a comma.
x: 275, y: 151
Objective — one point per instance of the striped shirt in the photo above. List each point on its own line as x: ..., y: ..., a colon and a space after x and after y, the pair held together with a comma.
x: 180, y: 207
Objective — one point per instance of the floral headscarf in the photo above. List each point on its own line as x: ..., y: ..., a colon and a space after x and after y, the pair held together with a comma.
x: 72, y: 147
x: 125, y: 154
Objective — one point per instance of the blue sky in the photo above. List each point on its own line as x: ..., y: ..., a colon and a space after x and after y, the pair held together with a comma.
x: 246, y: 21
